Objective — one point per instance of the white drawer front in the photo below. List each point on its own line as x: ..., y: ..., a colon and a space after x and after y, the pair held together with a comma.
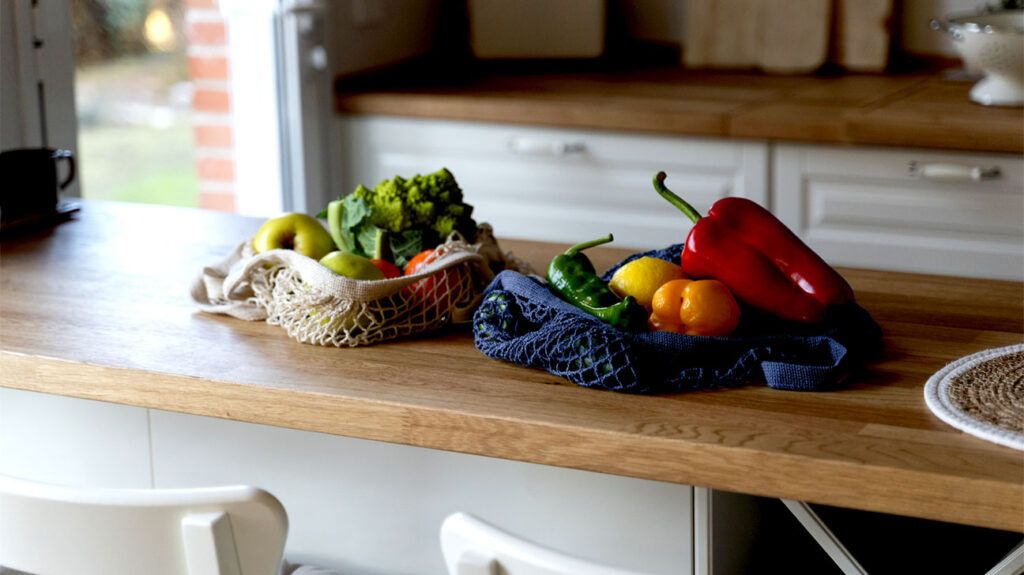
x: 869, y: 208
x: 68, y: 441
x: 560, y: 185
x: 370, y: 507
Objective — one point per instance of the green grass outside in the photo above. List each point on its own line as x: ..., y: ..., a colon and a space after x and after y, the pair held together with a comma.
x: 134, y: 163
x: 139, y: 164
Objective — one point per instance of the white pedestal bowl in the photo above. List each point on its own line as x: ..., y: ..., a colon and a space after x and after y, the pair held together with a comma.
x: 991, y: 43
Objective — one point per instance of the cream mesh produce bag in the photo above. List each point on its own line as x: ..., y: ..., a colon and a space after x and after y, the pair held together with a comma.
x: 316, y: 305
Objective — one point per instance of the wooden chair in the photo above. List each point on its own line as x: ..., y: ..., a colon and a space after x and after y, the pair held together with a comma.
x: 473, y: 547
x: 63, y: 530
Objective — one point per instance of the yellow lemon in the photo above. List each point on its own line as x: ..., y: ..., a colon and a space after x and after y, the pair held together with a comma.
x: 642, y: 277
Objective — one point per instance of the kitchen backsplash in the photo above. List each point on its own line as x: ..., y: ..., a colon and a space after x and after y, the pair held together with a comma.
x: 665, y: 21
x: 375, y: 33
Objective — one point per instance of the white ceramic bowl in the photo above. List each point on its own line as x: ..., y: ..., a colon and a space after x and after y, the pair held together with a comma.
x: 992, y: 43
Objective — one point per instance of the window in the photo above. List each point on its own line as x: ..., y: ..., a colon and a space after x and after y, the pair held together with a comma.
x: 136, y: 87
x: 213, y: 103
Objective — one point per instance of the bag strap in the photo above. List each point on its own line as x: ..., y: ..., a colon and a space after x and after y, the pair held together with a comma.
x: 208, y: 291
x: 226, y: 287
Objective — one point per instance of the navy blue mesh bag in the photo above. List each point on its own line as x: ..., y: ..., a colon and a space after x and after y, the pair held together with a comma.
x: 521, y: 321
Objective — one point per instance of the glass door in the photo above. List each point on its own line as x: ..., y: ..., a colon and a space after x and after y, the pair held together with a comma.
x: 135, y: 88
x: 221, y: 104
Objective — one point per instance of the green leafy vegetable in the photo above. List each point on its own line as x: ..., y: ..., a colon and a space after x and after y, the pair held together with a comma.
x: 416, y: 213
x: 354, y: 217
x: 367, y: 239
x: 405, y: 245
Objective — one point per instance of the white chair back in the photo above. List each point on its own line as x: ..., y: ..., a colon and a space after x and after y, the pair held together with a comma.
x: 62, y: 530
x: 473, y: 547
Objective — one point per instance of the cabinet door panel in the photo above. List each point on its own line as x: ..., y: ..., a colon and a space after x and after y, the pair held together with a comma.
x: 371, y: 507
x: 71, y: 441
x: 876, y: 209
x: 982, y: 214
x: 560, y: 185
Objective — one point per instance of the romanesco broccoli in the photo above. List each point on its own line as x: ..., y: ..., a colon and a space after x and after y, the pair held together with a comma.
x: 431, y: 202
x: 417, y: 213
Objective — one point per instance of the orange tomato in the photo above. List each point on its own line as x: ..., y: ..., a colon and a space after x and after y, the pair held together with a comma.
x: 439, y: 287
x: 694, y: 307
x: 419, y: 260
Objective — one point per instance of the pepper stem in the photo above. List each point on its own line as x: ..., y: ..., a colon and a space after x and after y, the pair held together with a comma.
x: 683, y: 205
x: 586, y: 245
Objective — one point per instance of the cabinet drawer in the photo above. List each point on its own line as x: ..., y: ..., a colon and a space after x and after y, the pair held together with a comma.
x: 373, y: 507
x: 68, y: 441
x: 559, y: 185
x: 907, y: 210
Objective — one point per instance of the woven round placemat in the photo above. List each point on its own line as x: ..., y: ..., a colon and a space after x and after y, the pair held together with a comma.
x: 982, y: 394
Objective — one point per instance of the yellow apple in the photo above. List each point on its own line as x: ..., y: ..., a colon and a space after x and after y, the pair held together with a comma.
x: 351, y: 266
x: 294, y: 231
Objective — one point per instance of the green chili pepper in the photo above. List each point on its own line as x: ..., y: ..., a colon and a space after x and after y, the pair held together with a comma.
x: 574, y: 279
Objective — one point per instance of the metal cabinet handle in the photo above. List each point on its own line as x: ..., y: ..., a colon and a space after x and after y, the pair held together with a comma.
x: 518, y: 145
x: 954, y: 172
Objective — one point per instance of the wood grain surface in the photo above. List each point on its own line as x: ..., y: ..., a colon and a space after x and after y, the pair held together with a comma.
x: 907, y: 110
x: 98, y: 308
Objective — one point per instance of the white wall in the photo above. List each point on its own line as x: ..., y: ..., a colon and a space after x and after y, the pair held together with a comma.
x: 917, y: 35
x: 18, y: 132
x: 24, y: 68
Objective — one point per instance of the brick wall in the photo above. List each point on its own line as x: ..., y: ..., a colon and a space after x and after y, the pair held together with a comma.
x: 209, y: 69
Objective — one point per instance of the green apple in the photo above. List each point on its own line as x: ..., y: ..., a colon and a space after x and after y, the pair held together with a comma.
x: 294, y: 231
x: 351, y: 266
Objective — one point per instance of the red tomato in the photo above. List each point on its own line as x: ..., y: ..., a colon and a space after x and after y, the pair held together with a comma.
x: 387, y: 268
x: 437, y: 287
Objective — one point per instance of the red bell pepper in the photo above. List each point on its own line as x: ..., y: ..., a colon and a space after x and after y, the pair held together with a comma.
x: 744, y: 246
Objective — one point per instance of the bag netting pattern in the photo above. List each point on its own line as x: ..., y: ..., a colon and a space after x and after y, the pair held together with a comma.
x: 519, y: 320
x: 315, y: 305
x: 322, y: 315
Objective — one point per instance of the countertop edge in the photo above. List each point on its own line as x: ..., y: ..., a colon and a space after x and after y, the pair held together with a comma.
x: 916, y: 111
x: 538, y: 442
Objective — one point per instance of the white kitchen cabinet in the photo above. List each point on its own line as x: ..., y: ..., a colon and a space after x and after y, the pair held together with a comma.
x: 952, y: 213
x: 556, y: 184
x: 361, y: 506
x: 67, y: 441
x: 368, y: 507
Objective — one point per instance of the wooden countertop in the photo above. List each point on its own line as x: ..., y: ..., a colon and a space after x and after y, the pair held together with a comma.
x: 908, y: 110
x: 98, y: 308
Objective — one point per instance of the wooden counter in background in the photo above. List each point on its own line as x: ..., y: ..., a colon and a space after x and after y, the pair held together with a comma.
x: 98, y: 308
x: 927, y: 111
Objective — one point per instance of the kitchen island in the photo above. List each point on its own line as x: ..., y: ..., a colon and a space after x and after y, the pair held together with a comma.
x: 98, y: 308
